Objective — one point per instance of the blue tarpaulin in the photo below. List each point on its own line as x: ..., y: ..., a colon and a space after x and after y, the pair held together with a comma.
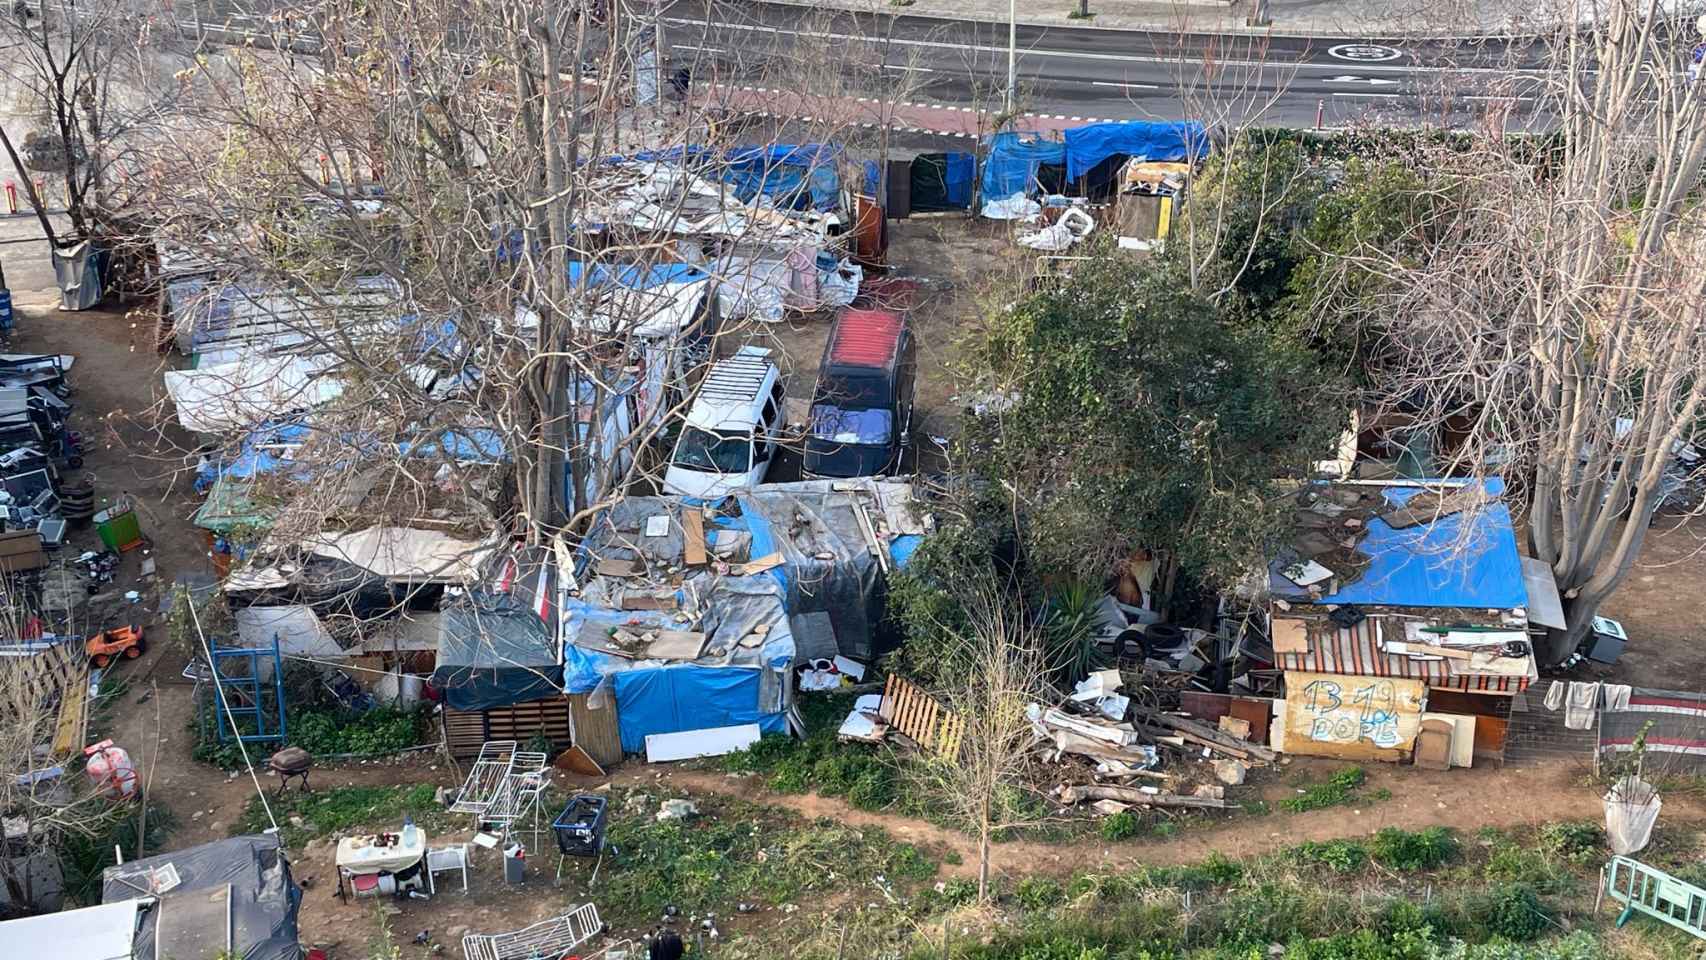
x: 632, y: 276
x: 1441, y: 564
x: 796, y: 176
x: 674, y: 699
x: 1089, y: 145
x: 961, y: 170
x: 1013, y: 161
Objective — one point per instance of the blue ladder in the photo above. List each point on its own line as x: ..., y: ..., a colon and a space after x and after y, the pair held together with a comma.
x: 238, y: 669
x: 1651, y: 891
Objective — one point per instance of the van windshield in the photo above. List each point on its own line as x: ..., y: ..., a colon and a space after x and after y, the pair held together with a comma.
x: 714, y: 452
x: 872, y: 425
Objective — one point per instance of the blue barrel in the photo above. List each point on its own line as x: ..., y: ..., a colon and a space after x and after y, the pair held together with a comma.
x: 5, y: 310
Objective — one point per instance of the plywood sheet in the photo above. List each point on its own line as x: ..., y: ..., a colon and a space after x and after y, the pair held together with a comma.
x: 712, y: 742
x: 1462, y: 736
x: 1350, y: 717
x: 1290, y: 636
x: 693, y: 536
x: 676, y: 645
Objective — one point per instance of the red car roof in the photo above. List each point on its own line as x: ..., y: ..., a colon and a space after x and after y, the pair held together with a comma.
x: 865, y: 338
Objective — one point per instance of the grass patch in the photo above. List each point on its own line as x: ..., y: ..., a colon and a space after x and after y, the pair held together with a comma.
x: 1120, y: 826
x: 308, y: 816
x: 83, y: 855
x: 1337, y: 790
x: 327, y: 732
x: 736, y: 851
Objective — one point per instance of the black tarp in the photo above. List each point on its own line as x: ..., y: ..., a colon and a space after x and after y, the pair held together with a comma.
x: 188, y: 921
x: 942, y: 181
x: 495, y: 652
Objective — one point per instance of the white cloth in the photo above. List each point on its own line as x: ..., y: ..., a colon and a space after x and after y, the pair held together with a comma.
x: 1581, y: 705
x: 1555, y: 696
x: 1616, y: 696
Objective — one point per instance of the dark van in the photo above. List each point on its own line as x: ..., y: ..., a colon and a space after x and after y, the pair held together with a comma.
x: 861, y: 413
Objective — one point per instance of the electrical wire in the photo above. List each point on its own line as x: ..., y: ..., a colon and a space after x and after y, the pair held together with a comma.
x: 219, y: 695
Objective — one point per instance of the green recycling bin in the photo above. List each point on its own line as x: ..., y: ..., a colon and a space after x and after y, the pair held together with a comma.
x: 118, y: 528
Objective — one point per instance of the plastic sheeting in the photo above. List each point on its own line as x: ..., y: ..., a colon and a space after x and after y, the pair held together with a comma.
x: 494, y: 652
x: 236, y: 395
x: 1089, y: 145
x: 1438, y: 564
x: 793, y: 176
x: 942, y: 181
x: 188, y: 922
x: 673, y: 699
x: 1011, y: 167
x: 1631, y: 811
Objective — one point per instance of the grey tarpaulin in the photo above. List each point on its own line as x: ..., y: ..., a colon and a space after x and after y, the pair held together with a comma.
x: 262, y: 905
x: 77, y: 272
x: 494, y: 652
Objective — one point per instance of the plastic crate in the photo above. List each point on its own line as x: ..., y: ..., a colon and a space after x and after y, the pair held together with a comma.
x: 579, y: 829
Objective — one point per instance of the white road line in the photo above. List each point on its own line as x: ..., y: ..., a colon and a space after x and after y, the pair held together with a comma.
x: 1472, y: 96
x: 1382, y: 96
x: 688, y: 46
x: 1338, y: 67
x: 905, y: 69
x: 1134, y: 86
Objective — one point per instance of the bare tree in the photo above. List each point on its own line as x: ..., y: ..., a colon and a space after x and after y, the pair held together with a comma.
x: 1005, y: 671
x: 1558, y: 324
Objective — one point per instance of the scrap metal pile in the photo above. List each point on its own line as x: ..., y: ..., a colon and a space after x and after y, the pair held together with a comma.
x: 1117, y: 753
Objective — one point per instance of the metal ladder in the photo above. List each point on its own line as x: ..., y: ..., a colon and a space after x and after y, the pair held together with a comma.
x: 1648, y: 890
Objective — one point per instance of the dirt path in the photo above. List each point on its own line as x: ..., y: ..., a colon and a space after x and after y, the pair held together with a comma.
x: 1461, y: 799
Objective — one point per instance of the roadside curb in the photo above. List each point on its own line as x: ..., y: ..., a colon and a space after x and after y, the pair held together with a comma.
x: 1231, y: 29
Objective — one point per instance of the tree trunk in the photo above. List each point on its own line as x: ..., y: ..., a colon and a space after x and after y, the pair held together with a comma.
x: 983, y: 845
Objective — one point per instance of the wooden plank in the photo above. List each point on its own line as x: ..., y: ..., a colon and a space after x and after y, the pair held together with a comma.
x: 597, y: 731
x: 71, y: 707
x: 766, y: 562
x: 676, y: 645
x: 710, y: 742
x: 1290, y: 636
x: 693, y: 537
x: 1490, y: 738
x: 1350, y: 717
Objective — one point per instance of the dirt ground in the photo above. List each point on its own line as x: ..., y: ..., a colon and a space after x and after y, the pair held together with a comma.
x: 116, y: 374
x: 1662, y: 606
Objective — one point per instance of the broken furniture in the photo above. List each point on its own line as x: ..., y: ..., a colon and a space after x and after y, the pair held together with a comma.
x: 503, y: 785
x: 485, y: 777
x: 579, y: 829
x: 547, y: 938
x: 291, y: 762
x: 445, y: 859
x: 382, y: 864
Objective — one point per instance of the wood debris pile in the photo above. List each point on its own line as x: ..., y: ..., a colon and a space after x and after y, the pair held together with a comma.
x: 1110, y: 750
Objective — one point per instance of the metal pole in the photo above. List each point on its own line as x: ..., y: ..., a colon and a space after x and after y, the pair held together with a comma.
x: 1012, y: 53
x: 1320, y: 108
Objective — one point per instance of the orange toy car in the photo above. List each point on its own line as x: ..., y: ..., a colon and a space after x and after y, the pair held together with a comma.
x: 126, y: 642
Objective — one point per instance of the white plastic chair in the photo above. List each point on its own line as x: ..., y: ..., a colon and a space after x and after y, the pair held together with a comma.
x: 447, y: 858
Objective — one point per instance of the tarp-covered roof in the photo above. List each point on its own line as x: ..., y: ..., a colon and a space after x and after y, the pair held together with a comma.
x: 494, y: 652
x: 1089, y: 145
x: 1465, y: 559
x: 1011, y: 166
x: 189, y: 921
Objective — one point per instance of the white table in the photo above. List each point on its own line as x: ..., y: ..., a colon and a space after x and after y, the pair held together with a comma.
x: 360, y: 856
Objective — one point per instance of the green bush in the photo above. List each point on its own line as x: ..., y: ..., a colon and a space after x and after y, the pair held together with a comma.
x: 1340, y: 856
x: 1120, y: 826
x: 1038, y: 893
x: 1577, y: 841
x: 1409, y: 852
x: 1511, y: 911
x: 1338, y: 789
x: 873, y: 790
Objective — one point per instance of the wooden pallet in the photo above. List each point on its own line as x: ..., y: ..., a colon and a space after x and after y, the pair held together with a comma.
x: 466, y: 730
x: 915, y: 713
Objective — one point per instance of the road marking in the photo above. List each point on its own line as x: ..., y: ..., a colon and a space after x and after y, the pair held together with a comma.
x: 896, y: 66
x: 1473, y: 96
x: 1371, y: 81
x: 1365, y: 52
x: 1113, y: 57
x: 1383, y: 96
x: 1110, y: 83
x: 686, y: 46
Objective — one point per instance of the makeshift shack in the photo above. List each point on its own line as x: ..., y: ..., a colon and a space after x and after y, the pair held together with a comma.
x: 1397, y: 609
x: 690, y: 618
x: 1088, y: 164
x: 229, y: 898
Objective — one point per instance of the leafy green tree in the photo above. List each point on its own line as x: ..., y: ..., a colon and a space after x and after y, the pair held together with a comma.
x: 1142, y: 418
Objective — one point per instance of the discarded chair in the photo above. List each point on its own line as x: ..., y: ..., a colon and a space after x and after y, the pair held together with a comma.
x: 443, y: 860
x: 548, y: 938
x: 518, y: 794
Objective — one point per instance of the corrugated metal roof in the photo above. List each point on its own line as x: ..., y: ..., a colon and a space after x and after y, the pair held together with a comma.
x: 1356, y: 652
x: 865, y: 338
x: 1442, y: 563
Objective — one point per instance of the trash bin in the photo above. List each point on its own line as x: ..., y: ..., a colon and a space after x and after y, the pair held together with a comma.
x: 118, y: 528
x: 515, y: 864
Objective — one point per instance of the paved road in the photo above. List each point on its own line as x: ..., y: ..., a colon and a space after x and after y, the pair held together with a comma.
x: 1068, y: 72
x: 1072, y: 75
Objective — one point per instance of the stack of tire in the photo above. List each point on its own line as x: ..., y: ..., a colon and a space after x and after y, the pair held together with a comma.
x: 77, y: 501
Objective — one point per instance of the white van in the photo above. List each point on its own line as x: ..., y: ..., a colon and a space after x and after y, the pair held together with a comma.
x: 729, y: 439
